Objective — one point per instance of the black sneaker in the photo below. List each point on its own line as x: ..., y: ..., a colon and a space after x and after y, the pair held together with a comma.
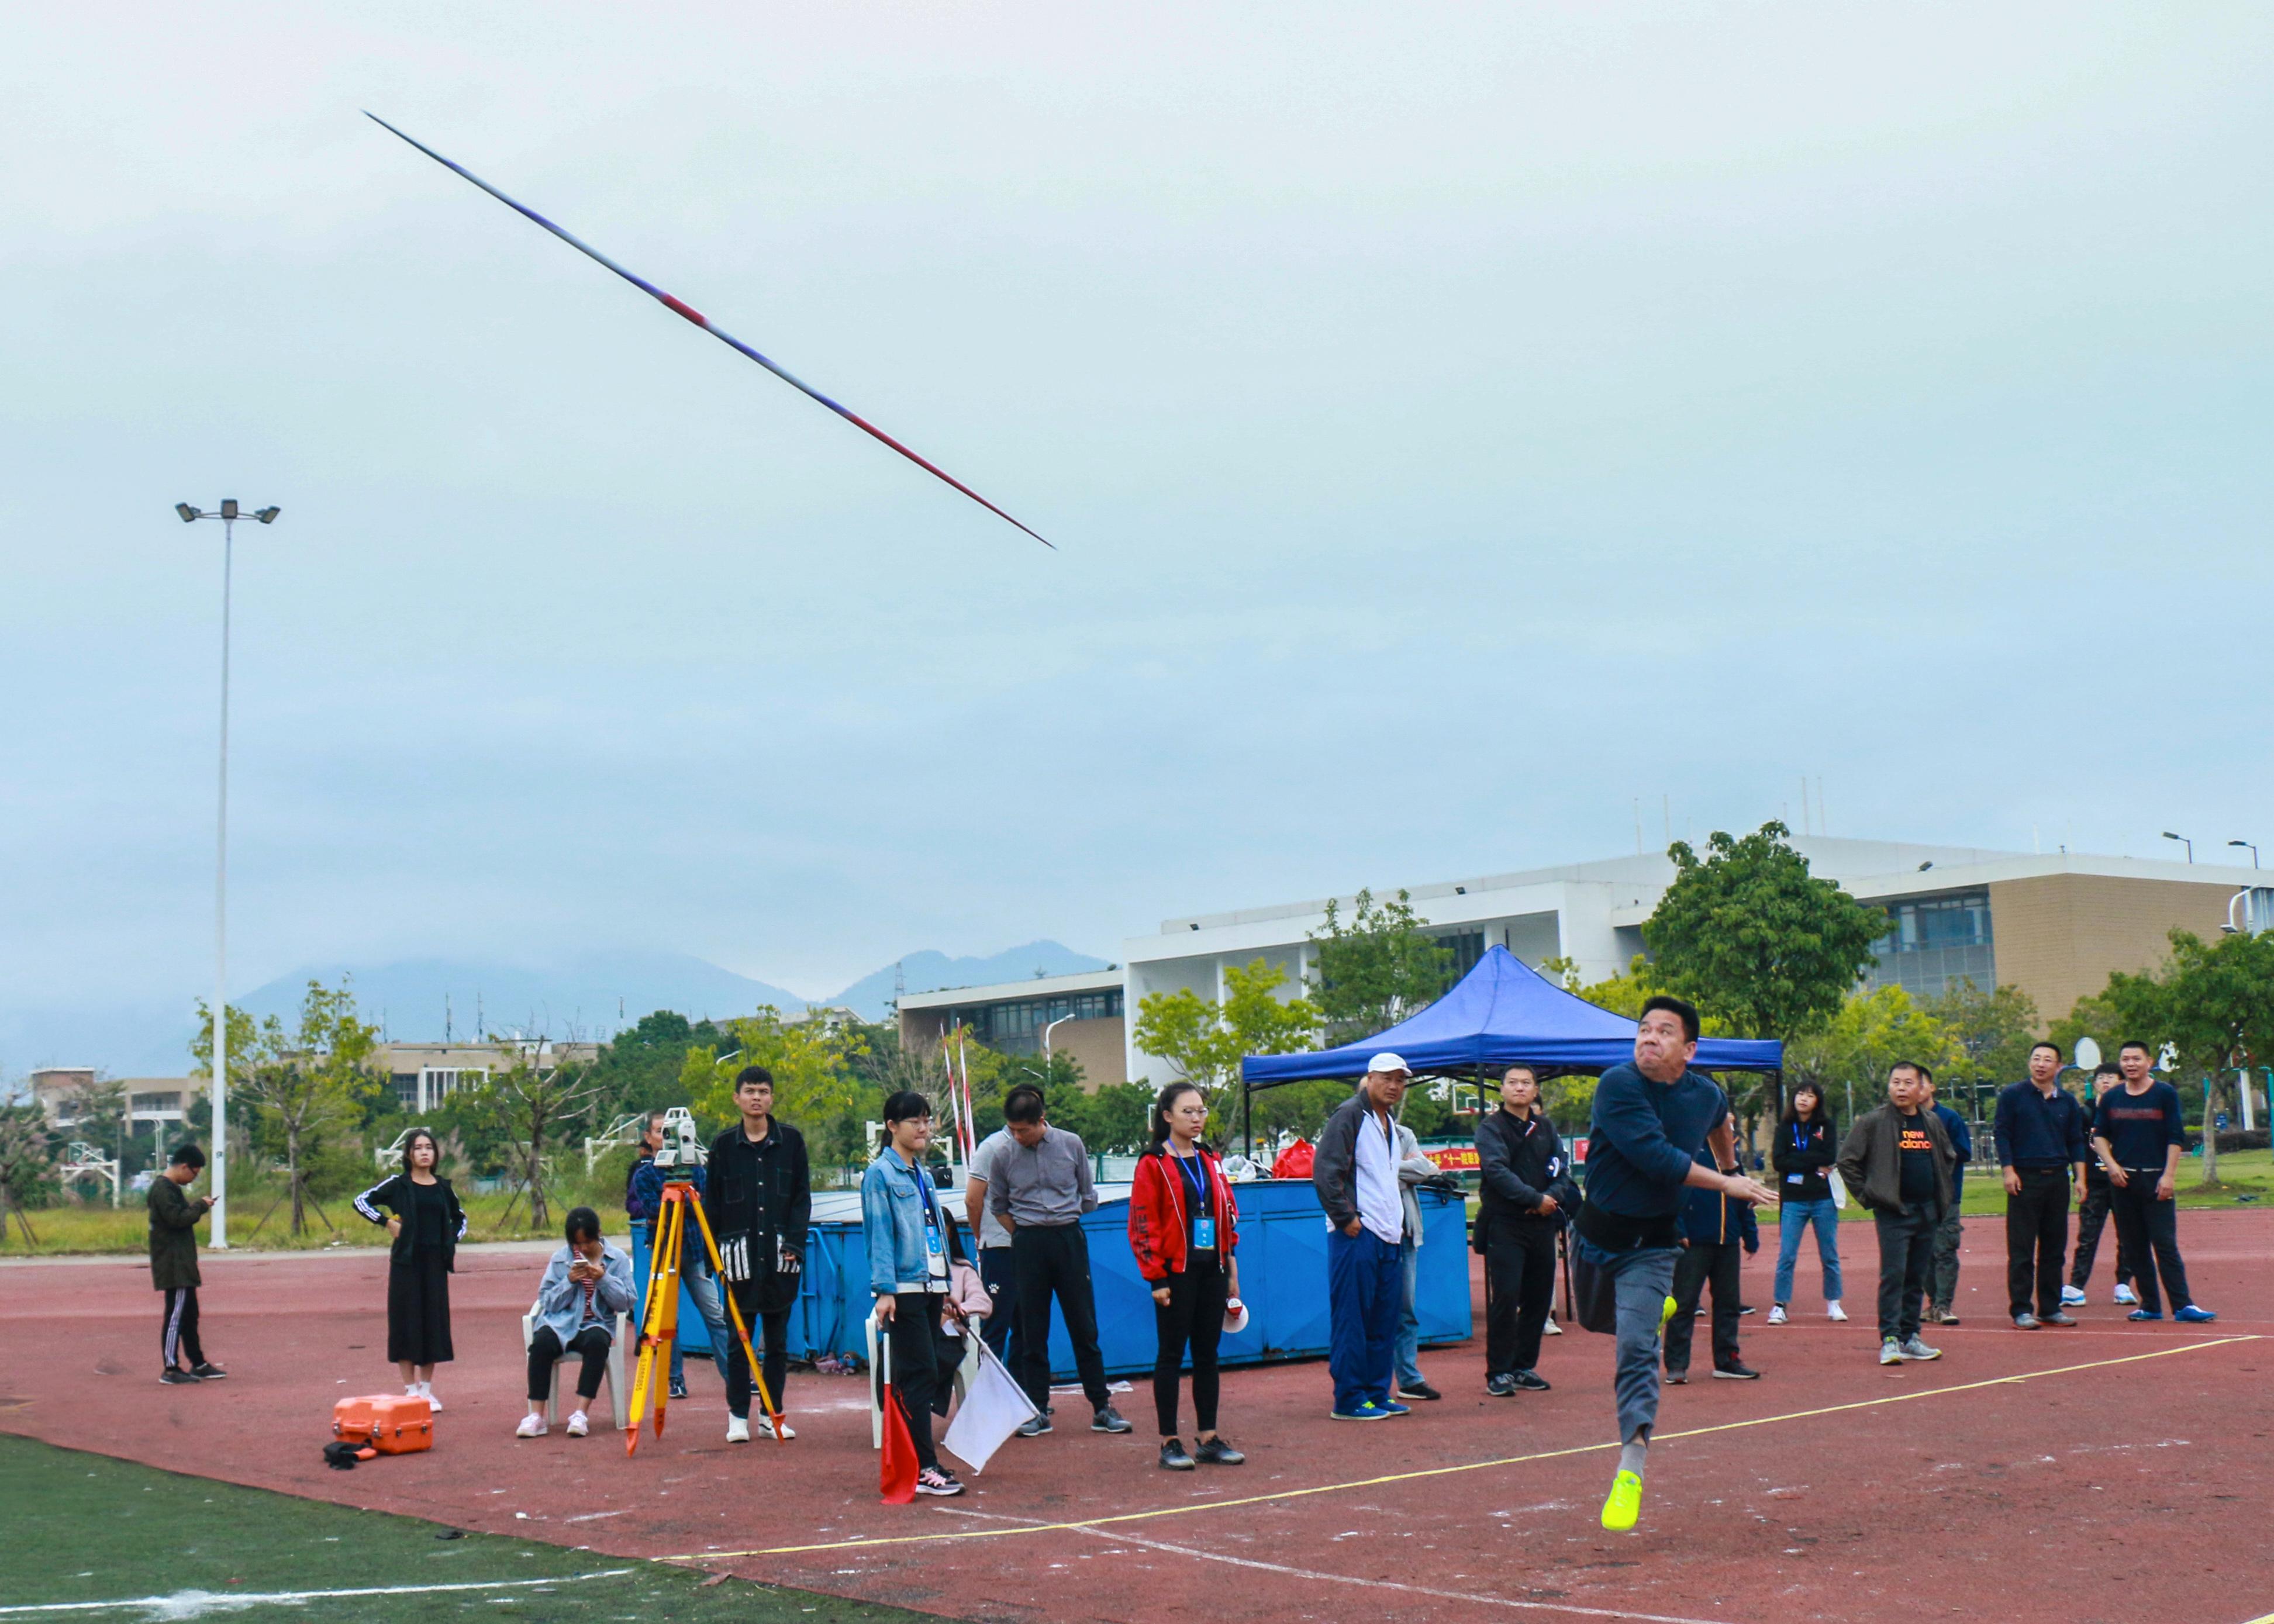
x: 1419, y: 1390
x: 679, y: 1389
x: 1108, y: 1419
x: 933, y: 1480
x: 1033, y: 1426
x: 1743, y: 1309
x: 1173, y: 1457
x: 1739, y: 1371
x: 1215, y: 1452
x: 1530, y: 1381
x: 174, y: 1378
x: 208, y: 1373
x: 1501, y: 1387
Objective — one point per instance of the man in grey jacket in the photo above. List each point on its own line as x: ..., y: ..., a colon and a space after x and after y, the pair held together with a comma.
x: 1897, y: 1161
x: 1355, y: 1172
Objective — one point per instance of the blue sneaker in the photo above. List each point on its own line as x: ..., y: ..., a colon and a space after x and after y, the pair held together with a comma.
x: 1393, y: 1408
x: 1367, y: 1412
x: 2147, y: 1313
x: 2192, y: 1315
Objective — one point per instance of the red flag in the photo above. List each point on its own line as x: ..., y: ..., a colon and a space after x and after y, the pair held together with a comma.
x: 897, y: 1473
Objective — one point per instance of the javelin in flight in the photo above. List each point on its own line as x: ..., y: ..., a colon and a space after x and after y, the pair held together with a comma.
x: 697, y: 316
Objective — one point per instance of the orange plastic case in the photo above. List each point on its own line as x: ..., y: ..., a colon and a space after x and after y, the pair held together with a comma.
x: 390, y: 1422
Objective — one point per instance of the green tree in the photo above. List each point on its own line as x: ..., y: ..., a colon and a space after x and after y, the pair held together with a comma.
x: 816, y: 1079
x: 2218, y: 1006
x: 1861, y: 1043
x: 639, y: 1069
x: 1994, y: 1031
x: 1375, y: 969
x: 538, y: 1099
x: 27, y: 1157
x: 1748, y: 934
x: 1204, y: 1041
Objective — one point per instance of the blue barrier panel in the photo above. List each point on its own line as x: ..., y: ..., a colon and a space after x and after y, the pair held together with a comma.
x: 693, y: 1336
x: 1282, y: 1279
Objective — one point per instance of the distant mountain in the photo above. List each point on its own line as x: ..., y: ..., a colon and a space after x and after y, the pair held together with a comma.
x: 872, y: 996
x: 593, y: 997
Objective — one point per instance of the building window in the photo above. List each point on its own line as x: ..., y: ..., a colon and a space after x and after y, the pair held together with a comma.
x: 1467, y: 946
x: 1015, y: 1027
x: 1934, y: 942
x: 167, y: 1105
x: 438, y: 1083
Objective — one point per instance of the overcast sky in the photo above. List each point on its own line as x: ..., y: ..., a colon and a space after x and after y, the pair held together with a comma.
x: 1456, y: 424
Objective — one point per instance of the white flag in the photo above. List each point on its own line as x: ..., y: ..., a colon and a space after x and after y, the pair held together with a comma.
x: 995, y: 1407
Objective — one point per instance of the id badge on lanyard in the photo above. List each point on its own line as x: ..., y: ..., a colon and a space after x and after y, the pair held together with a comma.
x: 935, y: 1248
x: 1203, y: 1223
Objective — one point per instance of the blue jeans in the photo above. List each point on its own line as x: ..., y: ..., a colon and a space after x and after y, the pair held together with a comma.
x: 1362, y: 1301
x: 1405, y: 1350
x: 1792, y: 1219
x: 703, y: 1286
x: 1640, y: 1281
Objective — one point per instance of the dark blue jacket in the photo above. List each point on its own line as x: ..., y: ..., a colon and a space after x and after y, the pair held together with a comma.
x: 1708, y: 1216
x: 1643, y: 1136
x: 1961, y: 1140
x: 644, y: 1189
x: 2034, y: 1132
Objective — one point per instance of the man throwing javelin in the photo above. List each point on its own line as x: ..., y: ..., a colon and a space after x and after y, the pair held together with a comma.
x: 1651, y: 1117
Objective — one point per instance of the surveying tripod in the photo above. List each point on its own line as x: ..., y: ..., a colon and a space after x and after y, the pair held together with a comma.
x: 660, y: 1314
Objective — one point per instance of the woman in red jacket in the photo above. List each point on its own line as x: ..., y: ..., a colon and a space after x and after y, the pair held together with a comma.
x: 1183, y: 1227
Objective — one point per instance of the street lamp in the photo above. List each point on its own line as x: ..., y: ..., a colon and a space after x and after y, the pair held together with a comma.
x: 1047, y: 1030
x: 229, y: 517
x: 2183, y: 840
x: 2254, y: 850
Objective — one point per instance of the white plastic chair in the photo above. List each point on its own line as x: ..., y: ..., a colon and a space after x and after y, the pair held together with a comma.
x: 619, y: 1399
x: 966, y: 1372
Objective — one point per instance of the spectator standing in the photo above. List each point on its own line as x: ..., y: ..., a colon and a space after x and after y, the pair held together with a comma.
x: 174, y: 1266
x: 1414, y: 1169
x: 1807, y: 1144
x: 1649, y: 1117
x: 1717, y: 1232
x: 1041, y: 1189
x: 643, y: 1205
x: 1951, y: 1231
x: 1524, y: 1197
x: 760, y: 1201
x: 587, y: 1283
x: 906, y: 1234
x: 1183, y: 1229
x: 2040, y: 1132
x: 2138, y: 1133
x: 428, y: 1223
x: 2092, y: 1212
x: 1355, y: 1173
x: 1001, y: 1330
x: 1896, y: 1161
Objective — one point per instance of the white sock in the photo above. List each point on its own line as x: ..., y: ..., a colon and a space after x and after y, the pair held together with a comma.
x: 1633, y: 1452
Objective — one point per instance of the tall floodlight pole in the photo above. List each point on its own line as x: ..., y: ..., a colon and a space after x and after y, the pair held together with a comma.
x: 227, y: 515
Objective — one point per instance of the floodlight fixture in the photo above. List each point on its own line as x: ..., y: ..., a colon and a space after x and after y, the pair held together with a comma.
x: 188, y: 513
x: 2183, y: 840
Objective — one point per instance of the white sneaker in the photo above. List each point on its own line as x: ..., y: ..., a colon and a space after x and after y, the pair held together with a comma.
x: 2127, y: 1295
x: 1891, y: 1351
x: 532, y: 1426
x: 1551, y: 1328
x: 1916, y: 1350
x: 577, y: 1426
x: 738, y: 1429
x: 1776, y: 1313
x: 766, y: 1425
x: 2072, y: 1297
x: 426, y: 1392
x: 1832, y: 1311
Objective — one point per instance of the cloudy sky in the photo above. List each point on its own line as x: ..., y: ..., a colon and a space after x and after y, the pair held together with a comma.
x: 1456, y: 424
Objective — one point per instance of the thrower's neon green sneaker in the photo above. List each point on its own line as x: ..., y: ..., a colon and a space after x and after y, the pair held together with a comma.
x: 1665, y: 1315
x: 1624, y: 1504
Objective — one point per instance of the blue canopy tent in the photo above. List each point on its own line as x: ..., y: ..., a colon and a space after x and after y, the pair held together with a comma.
x: 1501, y: 1013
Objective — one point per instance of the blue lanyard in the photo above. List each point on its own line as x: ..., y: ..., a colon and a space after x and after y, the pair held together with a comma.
x: 1189, y: 1166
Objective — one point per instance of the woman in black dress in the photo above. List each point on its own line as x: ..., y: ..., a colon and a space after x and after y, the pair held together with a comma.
x: 427, y: 1221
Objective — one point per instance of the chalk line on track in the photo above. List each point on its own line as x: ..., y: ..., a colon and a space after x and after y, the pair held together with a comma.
x: 1281, y: 1569
x: 1468, y: 1466
x: 196, y: 1603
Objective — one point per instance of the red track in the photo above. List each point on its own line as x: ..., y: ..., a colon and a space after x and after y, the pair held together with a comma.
x: 2102, y: 1486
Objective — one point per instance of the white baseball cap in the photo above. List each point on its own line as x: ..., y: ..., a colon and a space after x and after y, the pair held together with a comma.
x: 1388, y: 1061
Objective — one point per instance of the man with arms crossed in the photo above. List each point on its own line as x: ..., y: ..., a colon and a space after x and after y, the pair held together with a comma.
x: 2041, y: 1146
x: 1651, y: 1116
x: 2138, y: 1135
x: 1524, y: 1189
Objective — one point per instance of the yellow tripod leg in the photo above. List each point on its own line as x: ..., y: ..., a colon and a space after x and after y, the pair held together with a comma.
x: 675, y: 1213
x: 734, y: 1318
x: 651, y: 1322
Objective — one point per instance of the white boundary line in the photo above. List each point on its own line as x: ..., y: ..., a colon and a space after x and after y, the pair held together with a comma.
x: 190, y: 1604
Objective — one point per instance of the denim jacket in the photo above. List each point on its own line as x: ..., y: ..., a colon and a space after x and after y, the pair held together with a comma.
x: 892, y: 1225
x: 561, y: 1301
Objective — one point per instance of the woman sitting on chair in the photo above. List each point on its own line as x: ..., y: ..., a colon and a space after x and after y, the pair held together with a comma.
x: 587, y: 1285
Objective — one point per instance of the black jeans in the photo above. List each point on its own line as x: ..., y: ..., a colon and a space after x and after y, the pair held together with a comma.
x: 180, y: 1335
x: 1519, y: 1289
x: 771, y: 1334
x: 1698, y: 1262
x: 544, y: 1351
x: 1906, y: 1266
x: 1053, y: 1259
x: 2092, y: 1217
x: 999, y: 1330
x: 1948, y: 1233
x: 916, y: 1376
x: 2154, y: 1231
x: 1193, y: 1316
x: 2036, y: 1234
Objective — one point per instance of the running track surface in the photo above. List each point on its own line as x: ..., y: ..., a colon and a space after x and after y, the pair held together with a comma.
x: 2060, y: 1475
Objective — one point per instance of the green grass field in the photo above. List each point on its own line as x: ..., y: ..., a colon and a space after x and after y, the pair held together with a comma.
x: 84, y: 1528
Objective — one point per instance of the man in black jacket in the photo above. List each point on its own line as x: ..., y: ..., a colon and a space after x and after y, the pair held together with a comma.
x: 1355, y: 1173
x: 760, y: 1201
x: 2041, y: 1132
x: 1525, y: 1191
x: 174, y: 1266
x: 1897, y: 1161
